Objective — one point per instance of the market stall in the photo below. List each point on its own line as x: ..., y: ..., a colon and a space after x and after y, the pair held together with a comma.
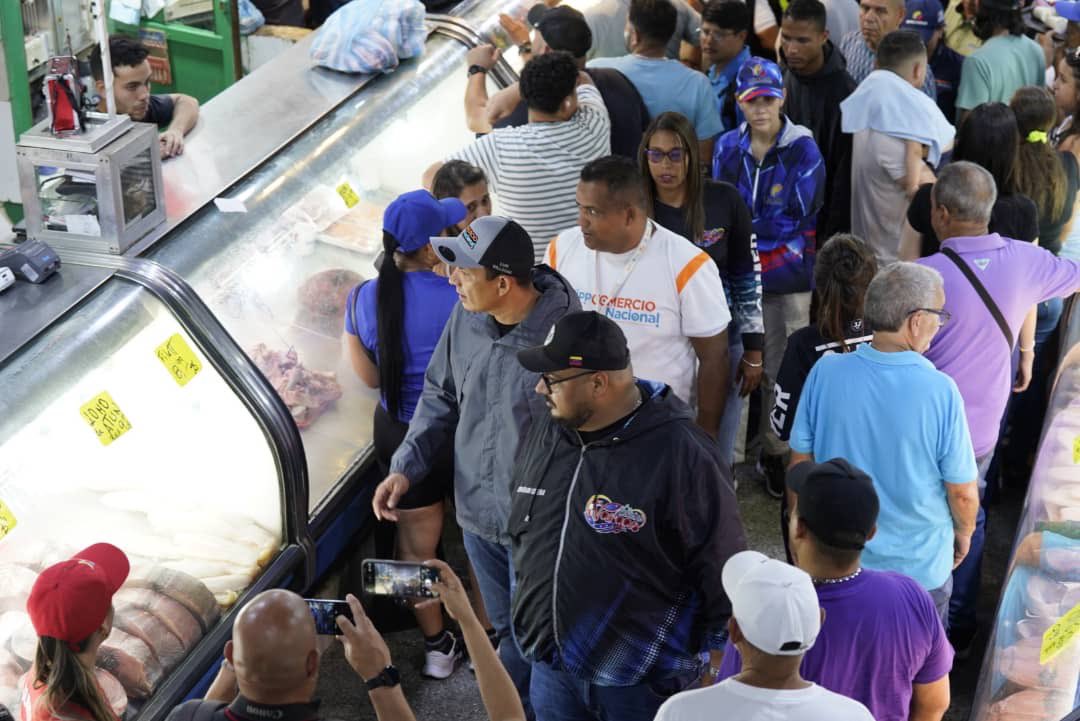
x: 191, y: 400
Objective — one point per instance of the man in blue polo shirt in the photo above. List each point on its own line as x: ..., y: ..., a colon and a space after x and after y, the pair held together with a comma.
x: 910, y: 434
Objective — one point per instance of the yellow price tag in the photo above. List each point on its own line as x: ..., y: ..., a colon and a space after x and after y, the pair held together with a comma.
x: 348, y: 194
x: 7, y: 519
x: 176, y: 355
x: 1076, y: 449
x: 1058, y: 636
x: 105, y: 418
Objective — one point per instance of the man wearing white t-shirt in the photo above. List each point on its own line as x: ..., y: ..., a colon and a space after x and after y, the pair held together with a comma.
x: 775, y: 619
x: 662, y: 290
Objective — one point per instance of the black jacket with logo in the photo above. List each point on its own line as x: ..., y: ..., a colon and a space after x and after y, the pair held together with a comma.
x: 618, y: 545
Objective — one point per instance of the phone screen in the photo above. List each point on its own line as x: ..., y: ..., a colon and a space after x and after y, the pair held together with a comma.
x: 398, y: 578
x: 326, y: 612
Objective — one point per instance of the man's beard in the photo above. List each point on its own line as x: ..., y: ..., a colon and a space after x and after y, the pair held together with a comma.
x: 573, y: 422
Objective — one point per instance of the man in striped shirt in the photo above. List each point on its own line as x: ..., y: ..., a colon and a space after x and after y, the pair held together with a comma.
x: 534, y: 168
x: 877, y: 18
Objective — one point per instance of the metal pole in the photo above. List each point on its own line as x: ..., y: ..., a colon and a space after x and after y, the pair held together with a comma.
x: 106, y: 56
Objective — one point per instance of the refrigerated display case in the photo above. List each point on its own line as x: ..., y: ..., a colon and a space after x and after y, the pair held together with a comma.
x: 1031, y: 670
x: 137, y: 422
x: 192, y: 400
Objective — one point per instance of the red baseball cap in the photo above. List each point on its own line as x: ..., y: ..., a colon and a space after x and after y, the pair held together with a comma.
x: 71, y: 599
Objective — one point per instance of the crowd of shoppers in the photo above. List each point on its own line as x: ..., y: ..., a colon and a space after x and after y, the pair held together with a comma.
x: 789, y: 221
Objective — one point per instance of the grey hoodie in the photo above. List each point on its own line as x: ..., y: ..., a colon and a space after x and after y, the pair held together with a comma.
x: 476, y: 391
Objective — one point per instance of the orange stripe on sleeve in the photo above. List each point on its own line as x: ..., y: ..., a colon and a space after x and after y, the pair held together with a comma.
x: 689, y: 269
x: 552, y: 253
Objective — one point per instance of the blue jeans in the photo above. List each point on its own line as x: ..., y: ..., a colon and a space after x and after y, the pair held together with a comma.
x: 968, y: 575
x: 558, y: 696
x: 495, y: 574
x: 729, y: 421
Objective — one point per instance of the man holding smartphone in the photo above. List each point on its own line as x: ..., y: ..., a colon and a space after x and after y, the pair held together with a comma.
x: 623, y: 516
x: 476, y: 393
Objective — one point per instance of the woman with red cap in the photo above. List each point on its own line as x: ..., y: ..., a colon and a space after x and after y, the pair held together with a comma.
x: 70, y: 606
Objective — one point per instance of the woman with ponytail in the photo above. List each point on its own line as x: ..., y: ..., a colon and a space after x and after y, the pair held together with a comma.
x: 70, y: 607
x: 845, y: 266
x: 393, y: 324
x: 1047, y: 176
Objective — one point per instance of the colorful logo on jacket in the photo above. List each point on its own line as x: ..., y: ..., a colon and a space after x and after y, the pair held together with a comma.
x: 606, y: 516
x: 775, y: 190
x: 469, y: 237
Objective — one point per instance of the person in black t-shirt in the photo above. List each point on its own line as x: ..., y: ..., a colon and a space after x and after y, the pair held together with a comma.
x: 562, y: 28
x: 988, y: 137
x: 845, y: 266
x: 713, y: 216
x: 176, y: 113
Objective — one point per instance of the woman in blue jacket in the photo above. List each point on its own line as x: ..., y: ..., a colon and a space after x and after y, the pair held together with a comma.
x: 778, y: 170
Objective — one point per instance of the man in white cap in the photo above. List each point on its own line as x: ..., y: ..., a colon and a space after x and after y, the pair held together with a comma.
x: 774, y: 621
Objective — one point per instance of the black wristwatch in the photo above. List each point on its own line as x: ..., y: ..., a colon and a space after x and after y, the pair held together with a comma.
x: 388, y: 678
x: 474, y: 69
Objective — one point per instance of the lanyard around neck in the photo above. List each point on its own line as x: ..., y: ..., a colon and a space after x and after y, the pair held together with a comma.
x: 630, y: 264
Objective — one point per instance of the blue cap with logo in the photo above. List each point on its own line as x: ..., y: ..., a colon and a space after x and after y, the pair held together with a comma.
x: 758, y: 77
x: 414, y: 217
x: 924, y: 17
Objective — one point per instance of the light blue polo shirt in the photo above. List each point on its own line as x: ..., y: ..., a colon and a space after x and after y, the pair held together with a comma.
x: 902, y: 421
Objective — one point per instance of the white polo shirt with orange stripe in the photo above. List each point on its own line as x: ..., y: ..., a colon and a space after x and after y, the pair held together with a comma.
x: 661, y: 297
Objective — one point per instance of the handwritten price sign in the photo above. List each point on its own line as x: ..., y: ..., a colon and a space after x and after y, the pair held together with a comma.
x: 178, y: 358
x: 105, y: 418
x: 7, y: 519
x: 1058, y: 636
x: 348, y: 195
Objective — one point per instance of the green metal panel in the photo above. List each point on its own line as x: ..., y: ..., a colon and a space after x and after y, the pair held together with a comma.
x: 204, y: 62
x: 18, y: 90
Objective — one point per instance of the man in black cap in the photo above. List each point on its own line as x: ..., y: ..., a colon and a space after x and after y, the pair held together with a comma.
x: 476, y: 394
x: 561, y: 29
x: 1007, y: 61
x: 623, y: 516
x: 882, y: 642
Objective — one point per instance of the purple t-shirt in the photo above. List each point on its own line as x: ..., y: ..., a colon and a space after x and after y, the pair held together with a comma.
x: 1017, y: 275
x: 881, y: 635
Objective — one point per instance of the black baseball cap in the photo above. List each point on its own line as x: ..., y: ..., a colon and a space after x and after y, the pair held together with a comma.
x: 584, y: 339
x: 563, y: 28
x: 491, y: 242
x: 837, y: 502
x: 1000, y: 5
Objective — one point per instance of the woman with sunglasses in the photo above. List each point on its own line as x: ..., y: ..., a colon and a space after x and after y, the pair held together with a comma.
x: 714, y: 217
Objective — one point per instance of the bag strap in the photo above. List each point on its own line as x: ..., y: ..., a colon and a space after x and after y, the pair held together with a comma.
x: 983, y: 294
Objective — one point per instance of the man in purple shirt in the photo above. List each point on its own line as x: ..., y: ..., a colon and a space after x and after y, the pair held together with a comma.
x: 973, y: 348
x: 882, y: 642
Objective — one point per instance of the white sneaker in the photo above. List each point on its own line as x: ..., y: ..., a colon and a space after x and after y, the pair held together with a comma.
x: 441, y: 664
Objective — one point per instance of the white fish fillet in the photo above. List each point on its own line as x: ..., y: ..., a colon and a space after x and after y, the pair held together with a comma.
x: 242, y: 532
x: 139, y: 501
x: 193, y: 545
x: 200, y: 568
x: 226, y: 599
x: 223, y: 584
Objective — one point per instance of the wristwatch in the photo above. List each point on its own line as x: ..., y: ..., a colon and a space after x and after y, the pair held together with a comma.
x: 388, y: 677
x: 474, y: 69
x: 525, y: 49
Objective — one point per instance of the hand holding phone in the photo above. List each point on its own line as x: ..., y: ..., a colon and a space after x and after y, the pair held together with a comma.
x: 326, y: 612
x: 398, y: 578
x: 365, y: 649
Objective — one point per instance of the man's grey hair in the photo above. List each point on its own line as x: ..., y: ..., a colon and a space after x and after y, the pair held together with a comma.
x: 967, y: 190
x: 896, y: 291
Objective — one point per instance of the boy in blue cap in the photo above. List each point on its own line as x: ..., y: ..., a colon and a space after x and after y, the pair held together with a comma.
x: 779, y: 172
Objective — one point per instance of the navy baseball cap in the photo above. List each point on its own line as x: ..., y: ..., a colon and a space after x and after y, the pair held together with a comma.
x: 563, y: 28
x: 414, y: 217
x: 492, y: 242
x: 837, y: 502
x: 924, y: 17
x: 584, y: 339
x: 758, y: 77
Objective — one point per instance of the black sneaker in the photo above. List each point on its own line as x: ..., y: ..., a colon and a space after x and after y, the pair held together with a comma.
x: 775, y: 472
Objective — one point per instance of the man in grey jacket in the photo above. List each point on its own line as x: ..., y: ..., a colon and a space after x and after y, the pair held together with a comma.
x: 475, y: 391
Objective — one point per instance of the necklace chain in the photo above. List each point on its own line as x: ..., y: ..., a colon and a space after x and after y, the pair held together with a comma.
x: 831, y: 581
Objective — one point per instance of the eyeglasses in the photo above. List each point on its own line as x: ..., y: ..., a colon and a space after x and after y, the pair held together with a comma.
x: 675, y: 155
x: 706, y: 33
x: 548, y: 383
x: 942, y: 315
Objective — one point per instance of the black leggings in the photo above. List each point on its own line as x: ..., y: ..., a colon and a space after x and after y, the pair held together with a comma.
x: 389, y: 432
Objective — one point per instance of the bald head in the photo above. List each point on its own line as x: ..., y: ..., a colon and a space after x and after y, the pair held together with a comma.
x: 273, y: 648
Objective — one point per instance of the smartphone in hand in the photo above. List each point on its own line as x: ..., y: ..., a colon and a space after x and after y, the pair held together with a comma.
x: 398, y: 578
x: 326, y: 612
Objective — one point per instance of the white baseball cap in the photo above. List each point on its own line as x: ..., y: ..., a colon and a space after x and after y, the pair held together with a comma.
x: 775, y: 604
